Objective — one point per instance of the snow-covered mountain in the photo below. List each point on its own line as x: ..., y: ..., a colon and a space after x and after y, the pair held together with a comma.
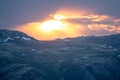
x: 82, y: 58
x: 7, y: 35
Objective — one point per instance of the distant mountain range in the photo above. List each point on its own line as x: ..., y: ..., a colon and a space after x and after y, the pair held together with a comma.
x: 83, y: 58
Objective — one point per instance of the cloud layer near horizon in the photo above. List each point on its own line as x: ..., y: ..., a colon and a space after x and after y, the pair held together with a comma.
x: 77, y: 25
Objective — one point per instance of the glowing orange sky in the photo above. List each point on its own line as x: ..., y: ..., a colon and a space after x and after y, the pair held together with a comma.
x: 71, y: 23
x: 33, y: 29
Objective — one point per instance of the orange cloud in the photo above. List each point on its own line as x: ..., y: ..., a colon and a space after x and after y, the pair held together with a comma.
x: 118, y: 29
x: 64, y: 14
x: 33, y: 29
x: 99, y: 27
x: 77, y: 23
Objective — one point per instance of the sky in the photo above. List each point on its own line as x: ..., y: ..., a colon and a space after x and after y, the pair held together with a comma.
x: 81, y: 17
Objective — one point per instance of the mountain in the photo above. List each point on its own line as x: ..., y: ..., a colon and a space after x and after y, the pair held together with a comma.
x: 83, y: 58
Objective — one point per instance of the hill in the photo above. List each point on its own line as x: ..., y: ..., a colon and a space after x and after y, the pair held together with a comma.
x: 83, y: 58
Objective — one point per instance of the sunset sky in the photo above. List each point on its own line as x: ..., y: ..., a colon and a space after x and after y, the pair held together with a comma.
x: 52, y: 19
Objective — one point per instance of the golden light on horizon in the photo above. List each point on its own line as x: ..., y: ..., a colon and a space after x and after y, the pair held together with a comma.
x: 59, y: 17
x: 52, y: 25
x: 69, y: 23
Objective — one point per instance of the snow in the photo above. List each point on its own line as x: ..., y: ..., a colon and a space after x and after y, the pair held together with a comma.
x: 7, y: 39
x: 66, y: 40
x: 84, y: 57
x: 65, y: 48
x: 61, y: 60
x: 114, y: 49
x: 17, y: 37
x: 25, y: 38
x: 23, y: 54
x: 96, y: 48
x: 103, y: 46
x: 110, y: 47
x: 33, y: 49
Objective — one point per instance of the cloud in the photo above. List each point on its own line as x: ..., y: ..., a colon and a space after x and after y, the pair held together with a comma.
x: 83, y: 15
x: 94, y: 22
x: 77, y: 25
x: 33, y: 29
x: 99, y: 27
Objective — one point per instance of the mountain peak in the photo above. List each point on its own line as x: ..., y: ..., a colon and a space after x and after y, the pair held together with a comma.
x: 10, y: 35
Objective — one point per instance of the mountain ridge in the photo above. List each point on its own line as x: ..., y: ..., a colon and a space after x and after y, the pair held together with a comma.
x: 82, y: 58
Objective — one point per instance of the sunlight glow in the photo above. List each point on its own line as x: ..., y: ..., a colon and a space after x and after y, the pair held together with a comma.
x: 59, y: 17
x: 70, y: 23
x: 52, y: 25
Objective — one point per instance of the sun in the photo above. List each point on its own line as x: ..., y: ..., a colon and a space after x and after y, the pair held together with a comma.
x: 52, y: 25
